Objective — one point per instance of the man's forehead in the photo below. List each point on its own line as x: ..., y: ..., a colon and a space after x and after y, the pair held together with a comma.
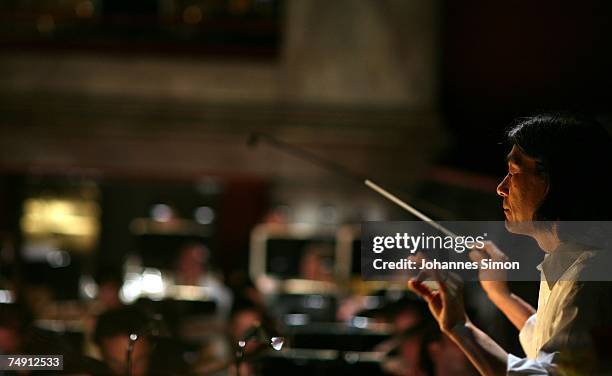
x: 519, y: 158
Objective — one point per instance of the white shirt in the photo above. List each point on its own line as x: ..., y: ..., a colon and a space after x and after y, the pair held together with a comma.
x: 557, y: 339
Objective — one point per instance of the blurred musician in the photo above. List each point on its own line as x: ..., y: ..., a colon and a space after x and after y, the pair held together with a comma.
x: 15, y: 320
x: 112, y: 335
x: 193, y: 269
x: 316, y: 263
x: 109, y: 280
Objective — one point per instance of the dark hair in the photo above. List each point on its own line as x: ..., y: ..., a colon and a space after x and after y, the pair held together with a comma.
x: 121, y: 321
x: 15, y: 316
x: 574, y: 154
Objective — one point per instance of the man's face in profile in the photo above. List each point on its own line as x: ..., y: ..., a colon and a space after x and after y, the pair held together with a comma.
x: 523, y: 190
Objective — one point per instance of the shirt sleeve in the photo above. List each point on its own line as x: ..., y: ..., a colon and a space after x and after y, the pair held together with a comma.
x: 526, y: 336
x: 544, y: 364
x: 585, y: 307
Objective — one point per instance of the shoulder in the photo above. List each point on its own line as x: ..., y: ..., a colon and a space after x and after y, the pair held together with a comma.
x: 593, y: 266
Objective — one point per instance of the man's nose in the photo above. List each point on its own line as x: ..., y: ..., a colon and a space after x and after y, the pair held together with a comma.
x: 502, y: 188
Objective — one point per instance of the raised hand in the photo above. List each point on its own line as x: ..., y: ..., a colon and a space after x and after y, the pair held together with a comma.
x: 446, y: 303
x: 493, y: 281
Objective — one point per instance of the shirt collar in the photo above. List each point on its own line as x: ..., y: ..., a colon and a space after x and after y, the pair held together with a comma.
x: 558, y: 261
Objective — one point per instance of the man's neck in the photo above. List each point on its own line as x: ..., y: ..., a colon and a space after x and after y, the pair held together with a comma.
x: 547, y: 240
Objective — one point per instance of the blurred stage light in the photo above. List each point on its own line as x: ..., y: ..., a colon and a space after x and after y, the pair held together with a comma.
x: 58, y: 259
x: 6, y: 297
x: 161, y: 213
x: 88, y: 287
x: 296, y: 319
x: 131, y: 289
x: 152, y: 282
x: 314, y: 302
x: 360, y: 322
x: 204, y: 215
x: 74, y: 221
x: 277, y: 343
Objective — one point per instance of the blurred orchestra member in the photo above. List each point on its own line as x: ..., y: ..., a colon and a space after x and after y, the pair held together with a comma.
x: 447, y: 358
x: 247, y: 313
x: 422, y: 350
x: 15, y: 320
x: 316, y: 263
x: 109, y: 282
x: 245, y: 316
x: 409, y: 323
x: 193, y: 269
x: 112, y: 335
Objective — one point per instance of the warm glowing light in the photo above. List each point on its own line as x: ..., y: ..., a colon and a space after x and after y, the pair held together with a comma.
x: 239, y: 6
x: 84, y: 9
x: 74, y: 219
x: 152, y: 282
x: 192, y: 15
x: 45, y: 23
x: 69, y: 217
x: 149, y: 283
x: 185, y: 292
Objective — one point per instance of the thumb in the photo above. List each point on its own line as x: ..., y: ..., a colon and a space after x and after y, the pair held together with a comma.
x: 420, y: 289
x: 493, y: 252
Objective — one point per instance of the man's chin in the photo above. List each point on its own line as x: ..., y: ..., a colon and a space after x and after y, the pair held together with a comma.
x: 509, y: 225
x: 508, y: 221
x: 519, y: 227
